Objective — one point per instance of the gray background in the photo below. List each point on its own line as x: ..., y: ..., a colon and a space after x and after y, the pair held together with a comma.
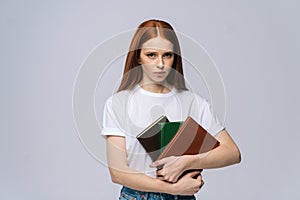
x: 255, y: 45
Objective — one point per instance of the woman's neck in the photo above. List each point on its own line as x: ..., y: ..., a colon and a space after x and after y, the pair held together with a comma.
x: 156, y: 87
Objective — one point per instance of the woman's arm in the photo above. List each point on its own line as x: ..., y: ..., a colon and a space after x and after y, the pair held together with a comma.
x: 124, y: 175
x: 227, y: 153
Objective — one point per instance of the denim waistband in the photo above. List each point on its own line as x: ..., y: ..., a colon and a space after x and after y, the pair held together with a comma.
x: 131, y: 194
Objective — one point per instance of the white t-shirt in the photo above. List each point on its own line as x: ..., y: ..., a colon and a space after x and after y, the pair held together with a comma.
x: 129, y: 112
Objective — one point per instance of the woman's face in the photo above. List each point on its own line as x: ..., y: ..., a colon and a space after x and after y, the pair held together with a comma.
x: 156, y: 58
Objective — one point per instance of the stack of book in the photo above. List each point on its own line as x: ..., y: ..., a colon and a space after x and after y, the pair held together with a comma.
x: 163, y: 138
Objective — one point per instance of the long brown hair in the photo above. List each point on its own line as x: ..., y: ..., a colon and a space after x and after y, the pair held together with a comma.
x: 132, y: 74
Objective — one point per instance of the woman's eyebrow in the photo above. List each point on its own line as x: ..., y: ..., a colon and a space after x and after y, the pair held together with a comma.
x: 155, y: 51
x: 149, y: 50
x: 169, y: 52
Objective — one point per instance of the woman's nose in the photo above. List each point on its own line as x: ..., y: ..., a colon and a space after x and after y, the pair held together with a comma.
x: 160, y: 63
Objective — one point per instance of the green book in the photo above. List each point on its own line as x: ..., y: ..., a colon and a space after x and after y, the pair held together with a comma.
x: 167, y: 132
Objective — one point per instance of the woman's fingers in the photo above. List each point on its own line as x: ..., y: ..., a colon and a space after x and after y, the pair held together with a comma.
x: 189, y: 184
x: 163, y: 161
x: 172, y: 178
x: 193, y: 173
x: 199, y: 179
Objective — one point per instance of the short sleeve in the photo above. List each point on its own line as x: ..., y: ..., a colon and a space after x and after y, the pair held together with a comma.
x: 110, y: 125
x: 207, y: 118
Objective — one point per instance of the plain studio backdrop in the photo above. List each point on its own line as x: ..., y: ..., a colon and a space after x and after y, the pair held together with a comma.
x: 254, y: 44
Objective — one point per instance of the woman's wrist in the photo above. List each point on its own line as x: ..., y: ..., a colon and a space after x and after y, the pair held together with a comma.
x: 166, y: 187
x: 192, y: 162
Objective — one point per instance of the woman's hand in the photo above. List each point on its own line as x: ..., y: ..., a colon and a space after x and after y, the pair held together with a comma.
x: 187, y: 185
x: 173, y: 167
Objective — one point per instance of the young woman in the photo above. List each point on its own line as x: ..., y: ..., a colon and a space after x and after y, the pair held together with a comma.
x: 153, y: 84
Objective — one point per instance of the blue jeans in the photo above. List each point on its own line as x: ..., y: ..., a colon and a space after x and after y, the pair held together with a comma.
x: 130, y: 194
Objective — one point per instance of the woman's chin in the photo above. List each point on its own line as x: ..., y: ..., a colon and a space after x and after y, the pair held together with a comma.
x: 160, y: 81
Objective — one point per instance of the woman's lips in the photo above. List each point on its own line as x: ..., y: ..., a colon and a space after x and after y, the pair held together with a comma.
x: 159, y: 73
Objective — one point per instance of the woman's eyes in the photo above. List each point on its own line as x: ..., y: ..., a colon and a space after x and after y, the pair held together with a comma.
x: 168, y: 55
x: 153, y: 55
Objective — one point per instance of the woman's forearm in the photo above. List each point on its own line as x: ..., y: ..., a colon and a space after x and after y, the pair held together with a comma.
x: 140, y: 181
x: 220, y: 157
x: 122, y: 174
x: 224, y: 155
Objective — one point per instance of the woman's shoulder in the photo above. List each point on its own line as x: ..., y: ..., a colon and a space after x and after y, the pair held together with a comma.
x: 118, y: 97
x: 120, y: 94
